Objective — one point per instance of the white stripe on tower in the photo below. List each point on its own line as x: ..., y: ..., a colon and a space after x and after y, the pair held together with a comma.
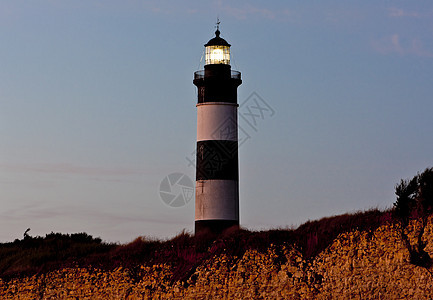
x: 217, y: 200
x: 217, y: 121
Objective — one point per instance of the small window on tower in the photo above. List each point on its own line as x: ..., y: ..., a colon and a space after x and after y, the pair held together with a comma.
x: 201, y: 93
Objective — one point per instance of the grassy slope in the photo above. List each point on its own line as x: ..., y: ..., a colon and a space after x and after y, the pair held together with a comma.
x: 36, y: 255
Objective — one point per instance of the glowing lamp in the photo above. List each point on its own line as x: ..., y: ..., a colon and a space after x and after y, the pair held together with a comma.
x: 217, y: 55
x: 217, y: 51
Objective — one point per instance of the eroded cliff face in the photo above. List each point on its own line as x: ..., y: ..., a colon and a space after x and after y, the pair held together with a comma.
x: 358, y: 265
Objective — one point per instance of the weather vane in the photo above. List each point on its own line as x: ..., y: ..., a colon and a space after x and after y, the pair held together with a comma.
x: 218, y: 23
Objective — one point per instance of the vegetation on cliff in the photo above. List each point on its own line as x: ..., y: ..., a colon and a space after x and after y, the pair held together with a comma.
x: 415, y: 201
x: 186, y: 252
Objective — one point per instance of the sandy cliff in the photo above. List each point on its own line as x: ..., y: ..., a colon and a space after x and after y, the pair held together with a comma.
x: 358, y: 265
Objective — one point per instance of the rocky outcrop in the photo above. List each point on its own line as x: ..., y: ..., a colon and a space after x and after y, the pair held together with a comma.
x: 358, y: 265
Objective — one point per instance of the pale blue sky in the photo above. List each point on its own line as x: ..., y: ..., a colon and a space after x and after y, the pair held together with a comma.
x: 97, y: 106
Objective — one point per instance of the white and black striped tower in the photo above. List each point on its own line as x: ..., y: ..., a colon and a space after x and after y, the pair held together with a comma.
x: 217, y: 176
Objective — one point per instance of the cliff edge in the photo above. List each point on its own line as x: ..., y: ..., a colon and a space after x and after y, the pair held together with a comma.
x: 360, y: 264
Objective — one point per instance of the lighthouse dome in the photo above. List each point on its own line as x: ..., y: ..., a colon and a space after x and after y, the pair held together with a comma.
x: 217, y: 40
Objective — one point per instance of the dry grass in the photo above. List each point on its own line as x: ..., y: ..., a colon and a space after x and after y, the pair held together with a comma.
x: 36, y: 255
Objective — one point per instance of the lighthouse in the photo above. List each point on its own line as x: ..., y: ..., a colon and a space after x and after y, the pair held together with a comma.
x: 217, y: 174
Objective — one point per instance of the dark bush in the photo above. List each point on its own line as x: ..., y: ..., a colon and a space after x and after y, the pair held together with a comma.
x: 40, y: 254
x: 415, y: 201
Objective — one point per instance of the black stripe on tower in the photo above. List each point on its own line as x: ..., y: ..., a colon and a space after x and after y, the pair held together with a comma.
x: 217, y: 84
x: 214, y: 226
x: 217, y: 160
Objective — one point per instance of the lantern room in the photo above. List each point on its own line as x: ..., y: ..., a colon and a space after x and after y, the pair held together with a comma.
x: 217, y: 82
x: 217, y: 51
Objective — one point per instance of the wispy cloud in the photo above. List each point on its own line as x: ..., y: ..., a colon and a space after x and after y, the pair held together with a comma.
x: 46, y: 175
x: 170, y: 8
x: 248, y: 10
x: 398, y: 12
x: 40, y: 211
x: 245, y: 11
x: 394, y: 44
x: 70, y: 169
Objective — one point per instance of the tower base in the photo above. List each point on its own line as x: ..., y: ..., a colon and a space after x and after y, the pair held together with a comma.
x: 214, y: 226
